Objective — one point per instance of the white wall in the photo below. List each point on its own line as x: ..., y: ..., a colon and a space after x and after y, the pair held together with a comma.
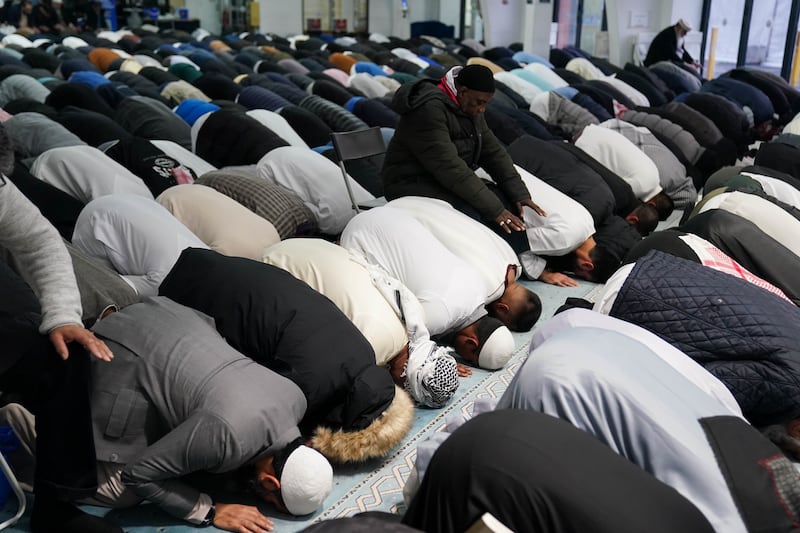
x: 380, y: 16
x: 282, y: 17
x: 450, y: 13
x: 503, y: 21
x: 347, y: 12
x: 537, y: 22
x: 689, y: 10
x: 386, y: 16
x: 208, y: 13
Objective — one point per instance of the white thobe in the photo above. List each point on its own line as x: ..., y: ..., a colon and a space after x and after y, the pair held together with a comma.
x: 525, y: 89
x: 450, y: 291
x: 139, y: 239
x: 770, y: 218
x: 678, y: 360
x: 620, y: 390
x: 567, y: 225
x: 186, y: 158
x: 86, y: 173
x: 547, y: 74
x: 622, y: 157
x: 221, y: 222
x: 332, y: 271
x: 278, y: 124
x: 318, y: 181
x: 466, y: 238
x: 777, y: 188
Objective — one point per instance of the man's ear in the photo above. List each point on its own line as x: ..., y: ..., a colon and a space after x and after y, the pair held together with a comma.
x: 268, y: 482
x: 793, y: 428
x: 632, y: 219
x: 500, y: 308
x: 586, y: 264
x: 472, y: 342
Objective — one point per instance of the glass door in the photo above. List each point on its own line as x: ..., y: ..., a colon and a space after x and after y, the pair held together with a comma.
x: 591, y: 24
x: 726, y: 16
x: 567, y: 25
x: 767, y: 37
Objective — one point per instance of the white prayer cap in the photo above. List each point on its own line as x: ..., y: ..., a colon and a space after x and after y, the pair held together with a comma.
x: 496, y: 343
x: 497, y: 349
x: 685, y: 26
x: 306, y: 481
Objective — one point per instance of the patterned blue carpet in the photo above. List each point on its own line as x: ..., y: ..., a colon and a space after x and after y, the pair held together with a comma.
x: 376, y: 486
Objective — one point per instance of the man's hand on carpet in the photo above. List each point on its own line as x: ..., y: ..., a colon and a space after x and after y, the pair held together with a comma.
x: 241, y: 518
x: 463, y: 370
x: 558, y: 279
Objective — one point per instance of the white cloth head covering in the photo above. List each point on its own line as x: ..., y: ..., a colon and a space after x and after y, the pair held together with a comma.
x: 306, y: 481
x: 431, y: 372
x: 684, y: 25
x: 497, y: 349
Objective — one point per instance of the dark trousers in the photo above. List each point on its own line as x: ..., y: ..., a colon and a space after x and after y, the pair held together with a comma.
x: 518, y: 240
x: 56, y: 391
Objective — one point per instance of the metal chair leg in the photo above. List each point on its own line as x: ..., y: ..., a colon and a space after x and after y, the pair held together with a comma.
x: 12, y: 480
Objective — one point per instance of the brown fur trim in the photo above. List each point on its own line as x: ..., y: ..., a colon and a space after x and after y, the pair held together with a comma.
x: 374, y: 441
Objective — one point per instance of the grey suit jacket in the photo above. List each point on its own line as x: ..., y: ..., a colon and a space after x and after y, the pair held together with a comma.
x: 178, y: 399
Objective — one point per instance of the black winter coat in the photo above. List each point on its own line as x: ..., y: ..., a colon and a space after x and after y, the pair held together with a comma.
x: 436, y: 149
x: 285, y: 325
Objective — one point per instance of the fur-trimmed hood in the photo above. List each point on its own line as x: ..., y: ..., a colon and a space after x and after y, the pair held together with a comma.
x: 376, y: 440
